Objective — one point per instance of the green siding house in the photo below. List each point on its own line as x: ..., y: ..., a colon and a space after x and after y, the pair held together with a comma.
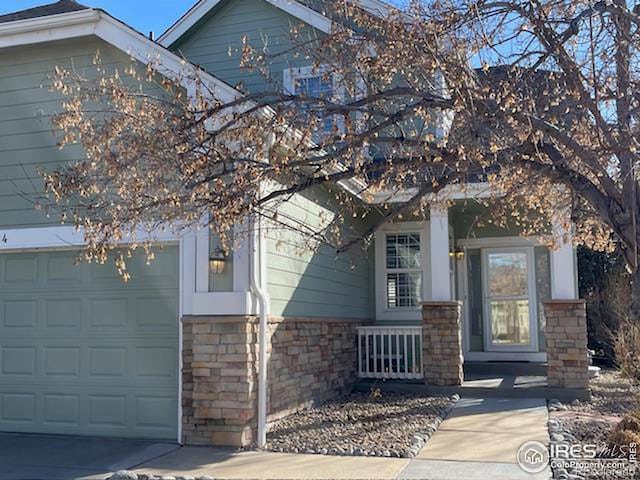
x: 172, y: 354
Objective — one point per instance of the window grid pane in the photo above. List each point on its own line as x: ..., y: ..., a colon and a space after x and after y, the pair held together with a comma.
x: 315, y: 86
x: 403, y: 251
x: 403, y: 265
x: 403, y: 289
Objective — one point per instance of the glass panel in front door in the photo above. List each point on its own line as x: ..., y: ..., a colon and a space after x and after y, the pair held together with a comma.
x: 508, y: 298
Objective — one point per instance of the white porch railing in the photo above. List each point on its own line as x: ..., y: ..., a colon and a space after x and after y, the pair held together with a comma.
x: 390, y: 352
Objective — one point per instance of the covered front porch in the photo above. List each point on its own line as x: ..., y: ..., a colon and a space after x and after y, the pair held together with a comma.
x: 452, y: 294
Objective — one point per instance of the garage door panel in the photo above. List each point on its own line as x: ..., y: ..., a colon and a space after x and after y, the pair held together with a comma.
x: 62, y: 362
x: 20, y: 313
x: 108, y: 312
x: 62, y: 267
x: 150, y: 411
x: 81, y: 352
x: 20, y: 270
x: 62, y: 313
x: 61, y: 409
x: 107, y: 361
x: 95, y: 314
x: 18, y: 407
x: 107, y: 411
x: 18, y: 361
x: 155, y: 311
x: 96, y: 412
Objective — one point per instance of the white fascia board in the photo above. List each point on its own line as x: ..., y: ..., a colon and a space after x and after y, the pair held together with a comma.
x: 375, y: 7
x: 193, y: 16
x: 144, y: 50
x: 65, y: 237
x: 95, y: 22
x: 450, y: 192
x: 47, y: 29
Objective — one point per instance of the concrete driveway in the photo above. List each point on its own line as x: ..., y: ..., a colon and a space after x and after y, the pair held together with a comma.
x: 36, y: 457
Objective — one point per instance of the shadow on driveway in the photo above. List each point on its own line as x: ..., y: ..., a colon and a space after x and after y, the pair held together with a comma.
x: 36, y: 457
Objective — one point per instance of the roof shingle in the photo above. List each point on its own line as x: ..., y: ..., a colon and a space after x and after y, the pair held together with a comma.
x: 62, y: 6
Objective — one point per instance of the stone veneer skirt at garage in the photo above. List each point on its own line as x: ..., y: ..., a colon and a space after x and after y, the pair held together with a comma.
x: 310, y: 360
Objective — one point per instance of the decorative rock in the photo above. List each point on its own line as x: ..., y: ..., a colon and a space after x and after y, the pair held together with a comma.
x: 124, y: 475
x: 349, y: 426
x: 557, y: 437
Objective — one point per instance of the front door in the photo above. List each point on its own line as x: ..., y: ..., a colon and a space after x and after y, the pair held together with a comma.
x: 509, y: 299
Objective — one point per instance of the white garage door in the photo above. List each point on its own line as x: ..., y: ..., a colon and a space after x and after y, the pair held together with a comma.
x: 82, y: 352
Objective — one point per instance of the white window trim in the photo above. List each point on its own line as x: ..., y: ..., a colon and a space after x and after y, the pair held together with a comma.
x: 291, y: 75
x: 405, y: 313
x: 532, y: 346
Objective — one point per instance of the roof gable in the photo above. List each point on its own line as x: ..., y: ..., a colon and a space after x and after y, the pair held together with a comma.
x: 185, y: 23
x: 85, y: 22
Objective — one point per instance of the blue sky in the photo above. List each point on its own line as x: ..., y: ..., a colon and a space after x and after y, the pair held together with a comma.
x: 143, y: 15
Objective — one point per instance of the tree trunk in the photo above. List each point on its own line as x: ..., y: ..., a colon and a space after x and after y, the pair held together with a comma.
x: 634, y: 308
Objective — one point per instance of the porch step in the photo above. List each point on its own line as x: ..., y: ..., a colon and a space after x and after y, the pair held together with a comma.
x: 505, y: 368
x: 507, y: 386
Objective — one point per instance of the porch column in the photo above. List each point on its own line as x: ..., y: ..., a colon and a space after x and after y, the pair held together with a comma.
x: 439, y: 253
x: 442, y: 343
x: 566, y: 333
x: 563, y: 268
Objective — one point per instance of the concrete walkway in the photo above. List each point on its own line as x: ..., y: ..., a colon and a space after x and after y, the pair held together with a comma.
x: 479, y: 440
x: 229, y: 464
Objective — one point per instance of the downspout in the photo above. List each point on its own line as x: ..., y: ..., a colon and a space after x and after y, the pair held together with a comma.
x: 256, y: 284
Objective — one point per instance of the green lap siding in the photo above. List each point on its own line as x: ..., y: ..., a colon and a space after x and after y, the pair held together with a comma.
x: 215, y: 42
x: 315, y: 282
x: 82, y: 352
x: 28, y: 142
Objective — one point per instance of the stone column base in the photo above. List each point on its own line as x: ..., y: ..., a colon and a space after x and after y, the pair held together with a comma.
x: 219, y: 381
x: 566, y: 334
x: 442, y: 343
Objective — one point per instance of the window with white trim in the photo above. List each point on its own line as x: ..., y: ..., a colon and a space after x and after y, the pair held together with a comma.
x: 313, y: 82
x: 403, y: 270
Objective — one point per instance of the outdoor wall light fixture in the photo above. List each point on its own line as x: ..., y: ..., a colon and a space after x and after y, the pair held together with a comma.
x: 217, y: 261
x: 458, y: 253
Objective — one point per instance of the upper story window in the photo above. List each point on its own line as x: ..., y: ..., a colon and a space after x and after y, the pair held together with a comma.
x: 314, y: 82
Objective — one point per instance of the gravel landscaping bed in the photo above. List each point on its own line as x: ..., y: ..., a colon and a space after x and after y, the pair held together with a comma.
x: 581, y: 423
x: 361, y: 424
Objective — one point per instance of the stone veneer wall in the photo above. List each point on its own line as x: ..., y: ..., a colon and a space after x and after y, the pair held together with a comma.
x: 566, y: 336
x: 310, y: 360
x: 442, y: 343
x: 219, y: 380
